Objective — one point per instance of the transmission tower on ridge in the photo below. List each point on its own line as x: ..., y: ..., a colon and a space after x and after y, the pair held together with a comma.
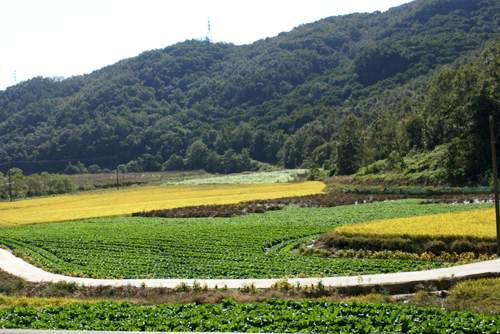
x: 209, y: 35
x: 15, y: 78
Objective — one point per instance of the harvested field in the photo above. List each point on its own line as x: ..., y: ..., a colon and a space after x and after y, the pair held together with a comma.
x: 109, y: 179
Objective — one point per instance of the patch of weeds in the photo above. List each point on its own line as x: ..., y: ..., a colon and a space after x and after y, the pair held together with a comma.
x: 182, y: 287
x: 478, y: 296
x: 59, y: 289
x: 12, y: 286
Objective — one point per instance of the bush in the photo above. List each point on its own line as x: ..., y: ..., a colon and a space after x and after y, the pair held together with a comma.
x: 63, y: 184
x: 462, y: 246
x: 59, y: 289
x: 435, y: 246
x: 487, y: 247
x: 11, y: 286
x: 405, y: 245
x: 94, y: 169
x: 374, y: 168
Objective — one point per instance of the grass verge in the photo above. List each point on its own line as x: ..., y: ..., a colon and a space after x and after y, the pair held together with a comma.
x: 480, y: 296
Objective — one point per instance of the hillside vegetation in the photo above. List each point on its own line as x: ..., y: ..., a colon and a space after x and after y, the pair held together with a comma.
x: 343, y: 93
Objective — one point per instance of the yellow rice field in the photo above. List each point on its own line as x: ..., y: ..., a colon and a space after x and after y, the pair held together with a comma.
x: 476, y: 225
x: 125, y: 202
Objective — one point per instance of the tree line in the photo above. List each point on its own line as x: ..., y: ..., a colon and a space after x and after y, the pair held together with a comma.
x: 18, y: 185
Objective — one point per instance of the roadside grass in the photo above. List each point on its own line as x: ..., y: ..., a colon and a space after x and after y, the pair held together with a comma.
x: 37, y: 302
x: 479, y: 296
x: 15, y: 291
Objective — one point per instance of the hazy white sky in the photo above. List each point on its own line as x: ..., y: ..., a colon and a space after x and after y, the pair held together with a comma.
x: 72, y: 37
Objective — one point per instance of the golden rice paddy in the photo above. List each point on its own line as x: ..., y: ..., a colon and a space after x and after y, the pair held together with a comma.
x: 126, y: 202
x: 476, y: 225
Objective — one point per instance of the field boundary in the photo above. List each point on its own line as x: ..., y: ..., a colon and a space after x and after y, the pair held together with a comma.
x: 20, y: 268
x: 53, y: 331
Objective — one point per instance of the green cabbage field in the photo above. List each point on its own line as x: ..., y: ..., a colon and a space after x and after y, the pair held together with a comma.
x: 252, y: 246
x: 272, y: 315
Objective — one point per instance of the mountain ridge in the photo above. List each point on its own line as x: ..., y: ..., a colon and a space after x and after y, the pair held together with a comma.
x: 281, y: 100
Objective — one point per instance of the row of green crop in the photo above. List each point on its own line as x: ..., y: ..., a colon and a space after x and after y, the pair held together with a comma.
x: 273, y: 315
x: 211, y: 247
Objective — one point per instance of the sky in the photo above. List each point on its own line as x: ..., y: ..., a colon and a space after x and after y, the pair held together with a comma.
x: 63, y: 38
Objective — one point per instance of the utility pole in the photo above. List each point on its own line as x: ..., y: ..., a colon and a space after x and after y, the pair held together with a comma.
x: 495, y: 183
x: 117, y: 182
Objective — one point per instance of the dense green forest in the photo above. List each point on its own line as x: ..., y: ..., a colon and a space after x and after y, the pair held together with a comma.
x: 360, y: 92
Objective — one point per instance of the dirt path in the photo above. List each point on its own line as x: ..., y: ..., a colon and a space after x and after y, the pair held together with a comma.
x: 18, y: 267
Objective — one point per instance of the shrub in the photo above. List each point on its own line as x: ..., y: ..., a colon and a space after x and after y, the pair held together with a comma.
x: 435, y: 246
x: 462, y: 246
x: 182, y: 287
x: 59, y: 289
x: 11, y: 286
x: 282, y: 285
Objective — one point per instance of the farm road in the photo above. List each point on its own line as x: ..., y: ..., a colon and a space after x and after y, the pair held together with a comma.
x: 20, y: 268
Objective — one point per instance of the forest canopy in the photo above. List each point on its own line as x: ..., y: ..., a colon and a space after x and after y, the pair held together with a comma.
x: 343, y: 93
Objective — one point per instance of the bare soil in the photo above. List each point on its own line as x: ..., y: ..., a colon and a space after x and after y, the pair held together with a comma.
x: 309, y: 201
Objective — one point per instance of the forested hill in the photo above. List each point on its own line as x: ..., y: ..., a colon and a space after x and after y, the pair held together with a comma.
x: 282, y: 100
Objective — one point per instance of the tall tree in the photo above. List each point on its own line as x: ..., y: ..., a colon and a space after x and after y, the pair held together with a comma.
x: 197, y: 155
x: 348, y: 146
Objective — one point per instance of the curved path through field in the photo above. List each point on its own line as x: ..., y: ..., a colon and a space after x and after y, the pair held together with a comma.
x: 20, y: 268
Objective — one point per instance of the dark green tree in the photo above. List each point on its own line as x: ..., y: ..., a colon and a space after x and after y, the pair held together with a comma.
x: 230, y: 160
x: 174, y: 163
x: 215, y: 163
x: 196, y: 155
x: 349, y: 145
x: 151, y: 163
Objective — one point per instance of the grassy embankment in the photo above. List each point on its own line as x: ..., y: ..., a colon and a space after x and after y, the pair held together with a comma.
x: 480, y: 296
